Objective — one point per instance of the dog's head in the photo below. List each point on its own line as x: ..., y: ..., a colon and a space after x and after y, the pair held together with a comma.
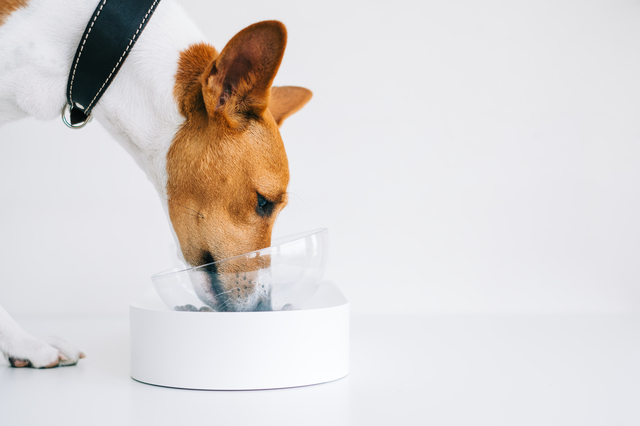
x: 227, y: 167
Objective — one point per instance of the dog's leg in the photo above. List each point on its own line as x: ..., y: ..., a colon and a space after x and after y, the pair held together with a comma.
x: 22, y: 349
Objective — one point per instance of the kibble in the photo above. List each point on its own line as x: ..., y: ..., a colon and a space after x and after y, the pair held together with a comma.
x: 187, y: 308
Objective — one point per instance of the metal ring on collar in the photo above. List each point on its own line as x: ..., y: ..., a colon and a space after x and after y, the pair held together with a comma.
x: 67, y: 109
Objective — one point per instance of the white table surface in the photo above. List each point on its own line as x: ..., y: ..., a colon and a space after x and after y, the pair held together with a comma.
x: 405, y: 370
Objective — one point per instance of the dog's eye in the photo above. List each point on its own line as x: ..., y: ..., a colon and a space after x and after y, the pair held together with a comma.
x: 264, y: 207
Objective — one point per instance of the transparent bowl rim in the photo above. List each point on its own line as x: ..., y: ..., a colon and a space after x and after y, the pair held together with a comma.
x: 279, y: 242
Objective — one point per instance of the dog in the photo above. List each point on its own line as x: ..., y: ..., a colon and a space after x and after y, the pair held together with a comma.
x: 202, y: 124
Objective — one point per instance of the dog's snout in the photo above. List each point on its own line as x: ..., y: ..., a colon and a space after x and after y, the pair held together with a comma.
x: 206, y: 258
x: 236, y: 291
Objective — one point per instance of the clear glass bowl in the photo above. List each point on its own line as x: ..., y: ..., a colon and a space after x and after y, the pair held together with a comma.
x: 281, y: 277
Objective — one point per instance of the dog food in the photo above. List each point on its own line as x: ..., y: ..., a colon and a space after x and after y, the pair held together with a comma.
x: 191, y: 308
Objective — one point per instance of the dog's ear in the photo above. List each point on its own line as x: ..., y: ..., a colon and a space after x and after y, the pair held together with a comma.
x: 237, y: 83
x: 287, y: 100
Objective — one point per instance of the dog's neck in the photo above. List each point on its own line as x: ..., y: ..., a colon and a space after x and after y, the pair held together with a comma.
x: 138, y: 109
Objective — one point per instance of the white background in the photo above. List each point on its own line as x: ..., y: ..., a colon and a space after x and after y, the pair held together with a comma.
x: 466, y: 156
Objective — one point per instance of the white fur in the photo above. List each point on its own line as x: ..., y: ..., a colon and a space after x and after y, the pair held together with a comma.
x: 37, y: 45
x: 16, y: 343
x: 261, y: 280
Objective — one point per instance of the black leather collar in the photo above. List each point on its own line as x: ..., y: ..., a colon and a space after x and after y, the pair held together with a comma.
x: 111, y: 32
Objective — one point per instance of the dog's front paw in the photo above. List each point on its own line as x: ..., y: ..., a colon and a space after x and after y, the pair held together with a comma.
x: 68, y: 354
x: 32, y: 352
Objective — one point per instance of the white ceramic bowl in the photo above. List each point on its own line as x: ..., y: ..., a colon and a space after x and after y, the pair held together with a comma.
x: 281, y: 277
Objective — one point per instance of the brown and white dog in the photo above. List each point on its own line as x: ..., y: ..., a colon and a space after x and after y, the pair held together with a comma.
x: 202, y: 124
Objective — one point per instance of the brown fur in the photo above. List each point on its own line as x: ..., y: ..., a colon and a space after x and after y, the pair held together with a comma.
x: 229, y: 148
x: 7, y: 7
x: 286, y: 101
